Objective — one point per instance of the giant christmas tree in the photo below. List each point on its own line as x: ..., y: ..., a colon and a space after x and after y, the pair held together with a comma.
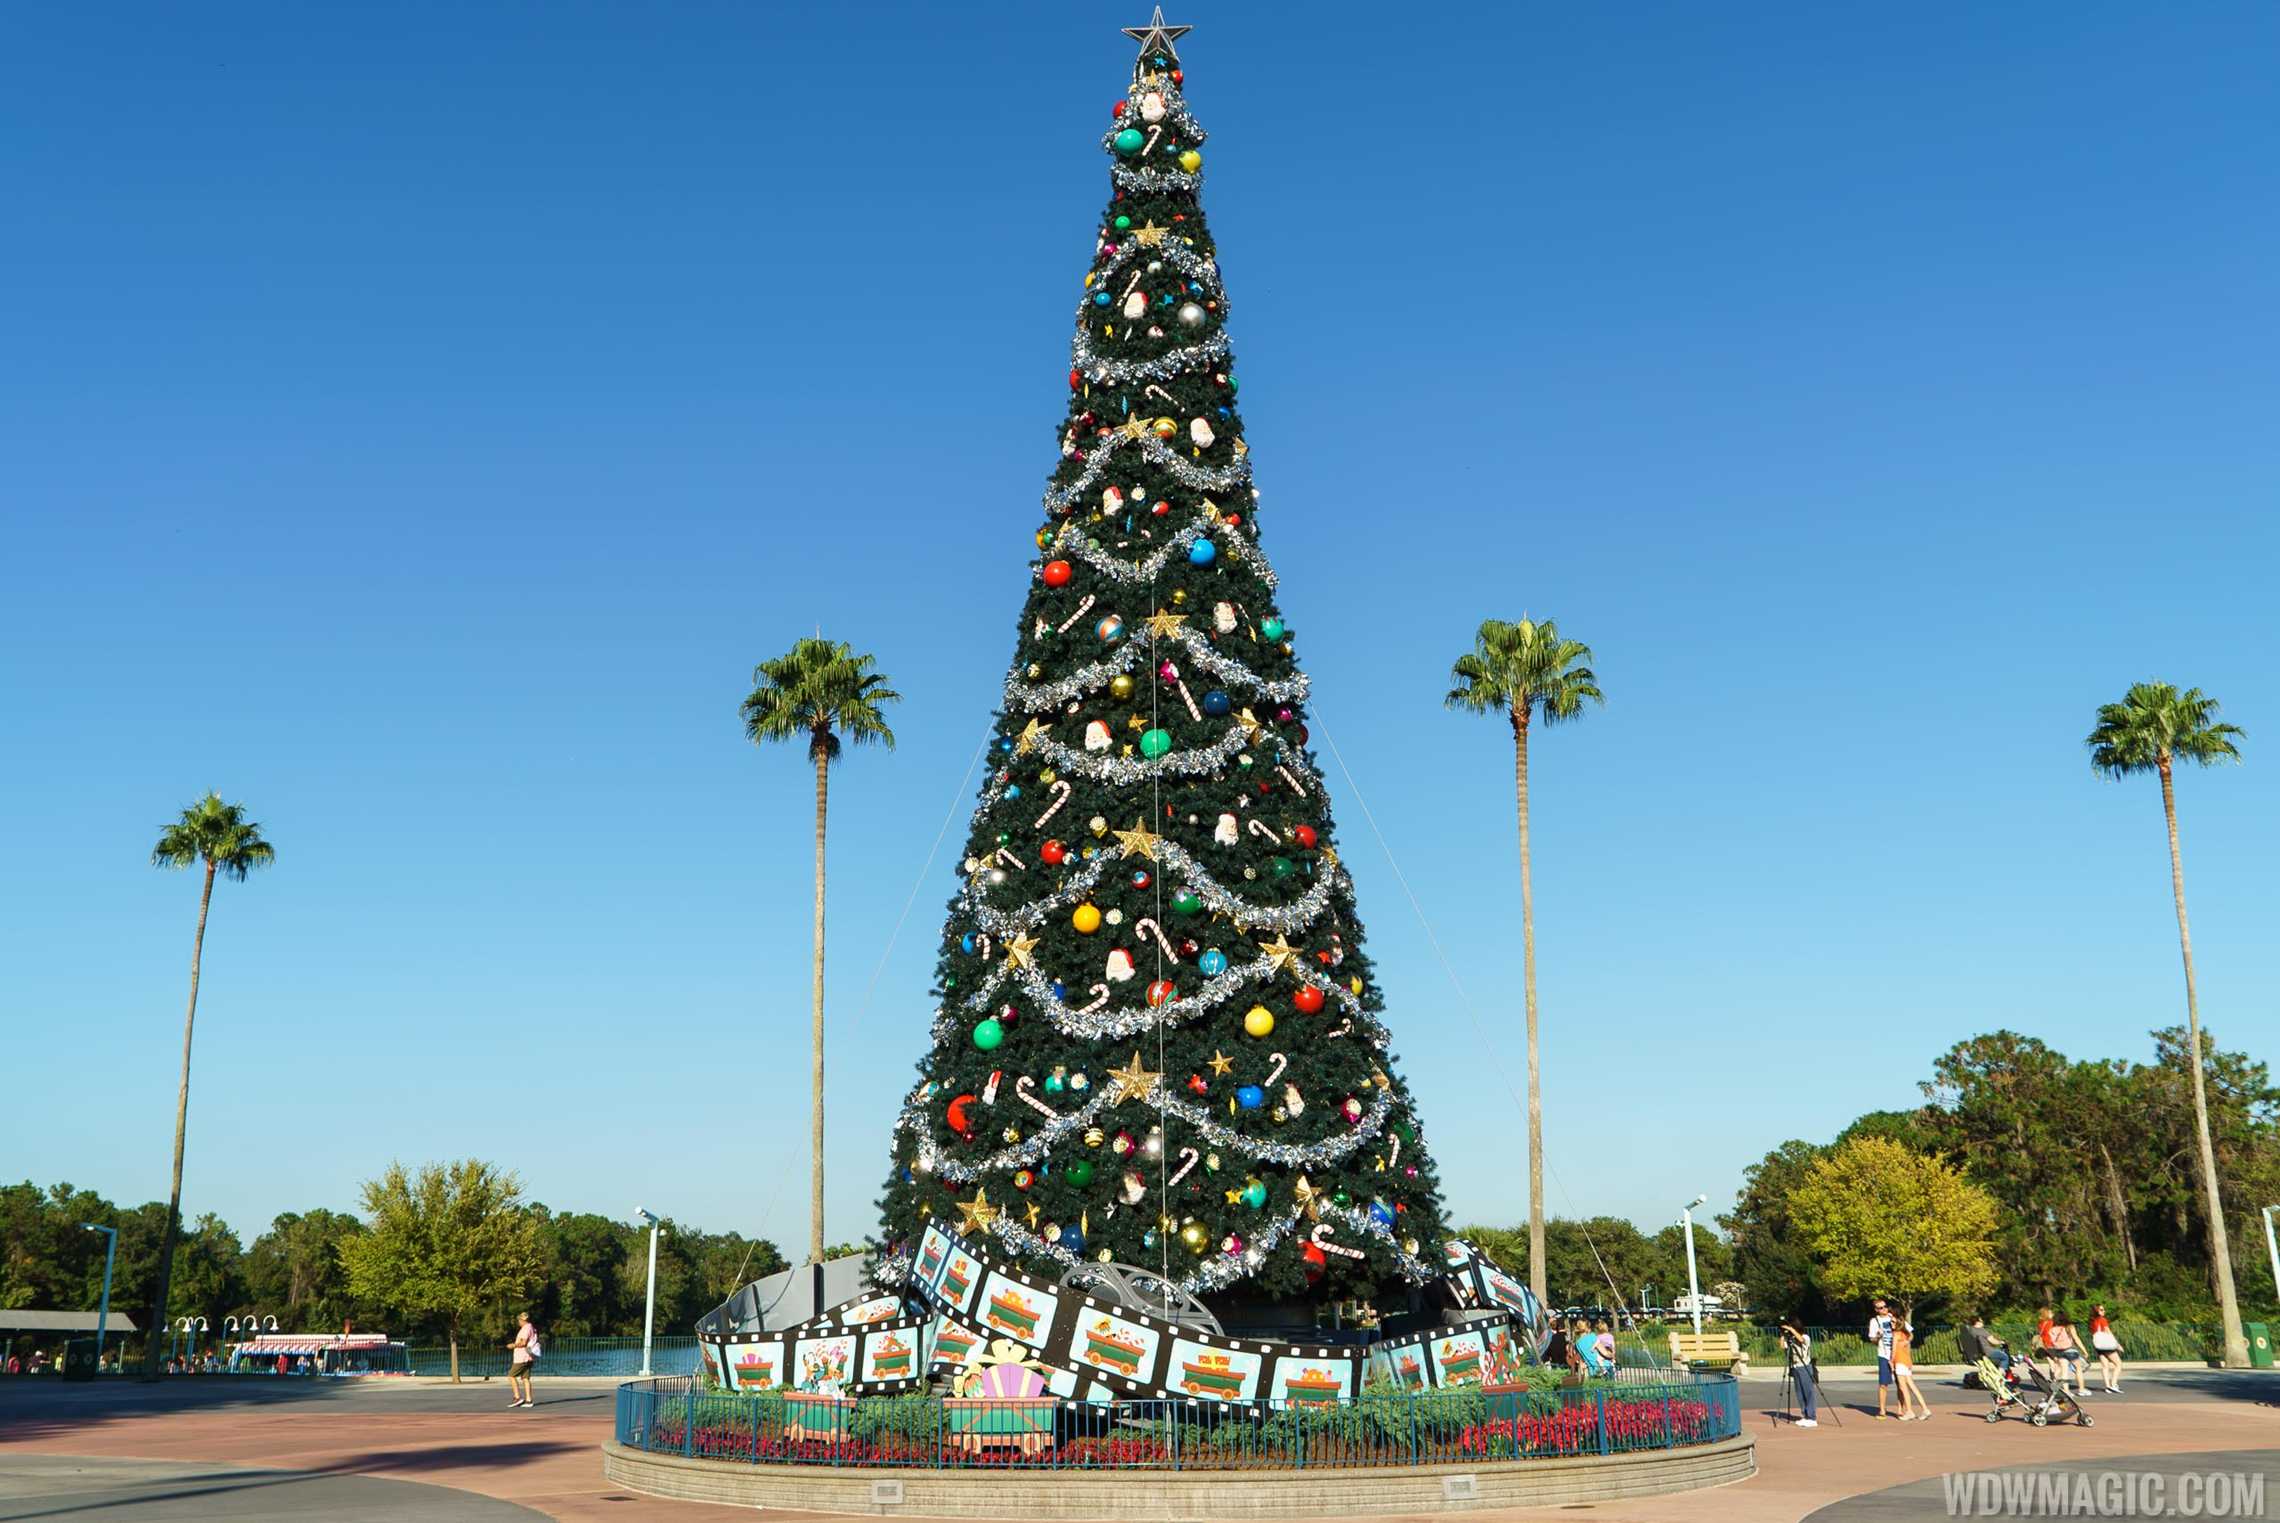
x: 1158, y: 1039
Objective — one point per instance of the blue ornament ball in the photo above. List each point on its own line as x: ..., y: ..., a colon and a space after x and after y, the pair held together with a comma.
x: 966, y: 943
x: 1250, y: 1097
x: 1060, y: 990
x: 1072, y: 1239
x: 1381, y: 1213
x: 1100, y: 298
x: 1202, y: 553
x: 1213, y: 962
x: 1013, y: 790
x: 1217, y: 704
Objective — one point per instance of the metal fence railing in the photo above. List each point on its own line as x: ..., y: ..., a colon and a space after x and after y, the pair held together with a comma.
x: 1934, y: 1344
x: 561, y: 1356
x: 680, y: 1416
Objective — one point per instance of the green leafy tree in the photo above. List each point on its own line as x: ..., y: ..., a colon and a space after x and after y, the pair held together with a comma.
x: 1880, y: 1218
x: 1768, y: 1257
x: 218, y: 837
x: 1529, y: 675
x: 294, y: 1271
x: 819, y: 692
x: 453, y: 1243
x: 2152, y: 729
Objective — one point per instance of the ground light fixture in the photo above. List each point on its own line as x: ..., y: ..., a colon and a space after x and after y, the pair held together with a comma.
x: 649, y: 1315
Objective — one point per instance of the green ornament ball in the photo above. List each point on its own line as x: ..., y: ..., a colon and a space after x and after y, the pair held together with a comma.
x: 1254, y: 1195
x: 1080, y: 1172
x: 1186, y: 902
x: 1281, y: 867
x: 988, y: 1034
x: 1272, y: 629
x: 1155, y: 743
x: 1341, y: 1199
x: 1122, y: 222
x: 1129, y: 141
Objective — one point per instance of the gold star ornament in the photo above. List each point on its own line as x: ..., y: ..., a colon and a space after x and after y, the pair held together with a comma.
x: 1148, y: 235
x: 1162, y: 625
x: 1281, y: 953
x: 1031, y: 733
x: 1139, y: 841
x: 1309, y: 1199
x: 1131, y: 1082
x: 1135, y: 427
x: 1220, y: 1063
x: 1021, y: 952
x: 976, y: 1214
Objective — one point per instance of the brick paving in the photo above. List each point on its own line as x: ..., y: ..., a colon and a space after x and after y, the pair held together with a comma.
x: 548, y: 1460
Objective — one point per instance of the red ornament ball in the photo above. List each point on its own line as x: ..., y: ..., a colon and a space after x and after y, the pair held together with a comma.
x: 1163, y: 989
x: 1053, y: 853
x: 1305, y: 837
x: 1023, y: 1179
x: 1057, y: 573
x: 1308, y: 998
x: 1316, y: 1262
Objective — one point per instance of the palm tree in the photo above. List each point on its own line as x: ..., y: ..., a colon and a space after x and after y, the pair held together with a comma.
x: 229, y: 844
x: 818, y: 690
x: 2150, y: 730
x: 1526, y: 672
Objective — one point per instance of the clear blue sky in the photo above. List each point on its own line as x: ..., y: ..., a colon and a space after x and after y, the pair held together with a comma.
x: 415, y: 420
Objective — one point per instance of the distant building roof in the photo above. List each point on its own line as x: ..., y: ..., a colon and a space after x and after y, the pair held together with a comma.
x: 21, y: 1321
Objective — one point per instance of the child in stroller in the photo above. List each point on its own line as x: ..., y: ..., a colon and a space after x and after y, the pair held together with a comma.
x: 2024, y: 1386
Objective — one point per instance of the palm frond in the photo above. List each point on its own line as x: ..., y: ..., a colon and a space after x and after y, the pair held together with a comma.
x: 2155, y: 723
x: 819, y: 691
x: 1524, y: 666
x: 213, y: 831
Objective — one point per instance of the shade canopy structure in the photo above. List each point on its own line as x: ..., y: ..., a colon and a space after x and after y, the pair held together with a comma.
x: 21, y: 1320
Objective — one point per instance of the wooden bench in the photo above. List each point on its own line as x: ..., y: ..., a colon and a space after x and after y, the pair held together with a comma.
x: 1708, y: 1351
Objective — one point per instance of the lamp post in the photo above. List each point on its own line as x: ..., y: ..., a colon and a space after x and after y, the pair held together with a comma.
x: 1693, y: 1283
x: 111, y: 1256
x: 649, y: 1314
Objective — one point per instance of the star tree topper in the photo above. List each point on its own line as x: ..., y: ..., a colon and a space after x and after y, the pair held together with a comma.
x: 1156, y: 37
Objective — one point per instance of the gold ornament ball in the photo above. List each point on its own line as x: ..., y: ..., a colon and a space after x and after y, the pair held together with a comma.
x: 1179, y: 597
x: 1048, y: 777
x: 1094, y: 1136
x: 1195, y: 1237
x: 1097, y: 825
x: 1121, y: 686
x: 1087, y: 920
x: 1167, y: 428
x: 1190, y: 160
x: 1258, y: 1020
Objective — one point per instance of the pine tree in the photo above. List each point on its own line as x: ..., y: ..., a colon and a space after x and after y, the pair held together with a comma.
x: 1158, y: 1038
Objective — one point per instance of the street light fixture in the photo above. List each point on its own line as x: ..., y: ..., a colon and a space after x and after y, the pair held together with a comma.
x: 1693, y: 1283
x: 2272, y: 1246
x: 111, y: 1255
x: 649, y: 1314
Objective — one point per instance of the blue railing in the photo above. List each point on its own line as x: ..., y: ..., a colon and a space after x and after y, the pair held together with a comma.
x: 680, y: 1416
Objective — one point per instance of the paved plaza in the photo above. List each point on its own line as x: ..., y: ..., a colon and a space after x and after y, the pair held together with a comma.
x: 200, y: 1451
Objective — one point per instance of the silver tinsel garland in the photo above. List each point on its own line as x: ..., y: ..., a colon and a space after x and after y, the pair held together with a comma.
x: 1161, y: 1104
x: 1186, y: 472
x: 1103, y: 372
x: 1295, y: 916
x: 1073, y: 540
x: 1031, y: 698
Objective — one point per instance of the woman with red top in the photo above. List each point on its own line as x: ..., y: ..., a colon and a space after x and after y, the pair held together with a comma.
x: 2107, y: 1347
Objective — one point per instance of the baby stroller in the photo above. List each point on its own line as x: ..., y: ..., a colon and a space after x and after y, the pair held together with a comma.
x: 2027, y: 1388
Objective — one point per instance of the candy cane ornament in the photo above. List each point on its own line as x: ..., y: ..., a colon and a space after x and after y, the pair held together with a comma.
x: 1262, y: 828
x: 1344, y: 1027
x: 1276, y: 1063
x: 1085, y: 604
x: 1061, y: 792
x: 1021, y: 1088
x: 1153, y: 134
x: 1296, y: 786
x: 1188, y: 1159
x: 1147, y: 928
x: 1320, y: 1238
x: 1099, y: 993
x: 1005, y: 855
x: 1393, y: 1154
x: 1188, y: 698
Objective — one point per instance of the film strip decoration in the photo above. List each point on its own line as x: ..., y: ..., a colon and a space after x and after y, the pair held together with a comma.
x: 961, y: 1303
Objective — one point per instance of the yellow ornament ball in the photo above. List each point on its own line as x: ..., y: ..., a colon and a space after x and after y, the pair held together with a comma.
x: 1258, y: 1020
x: 1086, y: 919
x: 1120, y: 686
x: 1167, y: 428
x: 1195, y: 1237
x: 1190, y: 160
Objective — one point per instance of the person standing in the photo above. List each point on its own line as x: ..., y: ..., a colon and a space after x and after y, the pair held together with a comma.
x: 1798, y: 1345
x: 2066, y: 1352
x: 522, y: 1356
x: 1880, y: 1337
x: 1913, y: 1407
x: 2108, y: 1348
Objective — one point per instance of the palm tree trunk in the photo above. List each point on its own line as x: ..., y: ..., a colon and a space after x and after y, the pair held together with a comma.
x: 181, y: 1126
x: 815, y: 1125
x: 1528, y: 978
x: 2220, y: 1249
